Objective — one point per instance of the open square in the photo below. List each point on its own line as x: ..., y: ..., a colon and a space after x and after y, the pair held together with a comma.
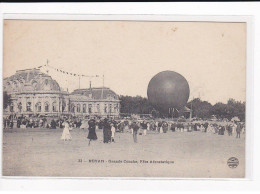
x: 40, y: 152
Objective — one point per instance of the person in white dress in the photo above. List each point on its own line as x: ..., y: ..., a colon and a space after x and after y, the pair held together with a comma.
x: 132, y: 131
x: 113, y: 131
x: 66, y: 132
x: 210, y: 129
x: 202, y: 129
x: 84, y: 124
x: 126, y: 128
x: 148, y: 126
x: 234, y: 126
x: 161, y: 130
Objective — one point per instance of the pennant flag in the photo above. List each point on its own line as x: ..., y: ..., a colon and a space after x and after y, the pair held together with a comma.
x: 65, y: 72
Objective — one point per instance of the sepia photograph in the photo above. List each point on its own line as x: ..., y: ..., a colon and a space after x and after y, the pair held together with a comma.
x: 126, y: 98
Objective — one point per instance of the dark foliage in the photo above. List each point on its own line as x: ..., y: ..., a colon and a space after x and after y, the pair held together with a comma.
x: 6, y: 99
x: 204, y: 109
x: 201, y: 109
x: 135, y: 105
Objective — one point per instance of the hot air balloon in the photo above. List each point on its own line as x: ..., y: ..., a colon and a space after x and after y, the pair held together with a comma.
x: 168, y: 91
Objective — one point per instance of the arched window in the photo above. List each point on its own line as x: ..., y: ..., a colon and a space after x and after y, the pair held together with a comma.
x: 15, y: 85
x: 46, y: 107
x: 28, y: 106
x: 54, y: 107
x: 110, y: 108
x: 78, y: 107
x: 90, y: 108
x: 20, y: 107
x: 115, y: 107
x: 46, y: 82
x: 38, y: 107
x: 21, y: 82
x: 105, y: 109
x: 11, y: 107
x: 98, y: 108
x: 72, y: 108
x: 34, y: 84
x: 84, y: 108
x: 9, y: 86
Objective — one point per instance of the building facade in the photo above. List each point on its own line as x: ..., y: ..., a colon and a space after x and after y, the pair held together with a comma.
x: 36, y: 93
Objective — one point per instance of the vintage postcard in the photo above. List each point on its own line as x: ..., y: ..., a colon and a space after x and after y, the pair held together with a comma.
x: 124, y: 98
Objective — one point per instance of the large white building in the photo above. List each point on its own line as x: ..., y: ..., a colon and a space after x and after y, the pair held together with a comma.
x: 33, y: 92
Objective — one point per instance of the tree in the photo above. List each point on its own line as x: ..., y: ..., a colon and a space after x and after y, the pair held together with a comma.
x: 220, y: 110
x: 201, y: 109
x: 236, y: 108
x: 231, y: 109
x: 6, y: 99
x: 135, y: 105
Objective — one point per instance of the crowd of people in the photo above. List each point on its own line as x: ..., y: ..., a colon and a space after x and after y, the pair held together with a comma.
x: 13, y: 121
x: 112, y: 126
x: 140, y: 127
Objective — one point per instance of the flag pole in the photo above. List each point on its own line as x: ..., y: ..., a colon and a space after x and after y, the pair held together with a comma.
x: 102, y: 93
x: 79, y: 82
x: 191, y: 109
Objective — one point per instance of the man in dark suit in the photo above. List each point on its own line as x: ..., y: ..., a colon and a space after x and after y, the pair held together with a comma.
x: 135, y: 128
x: 238, y: 130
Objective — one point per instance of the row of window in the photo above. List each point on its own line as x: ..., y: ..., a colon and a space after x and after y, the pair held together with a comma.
x: 73, y: 108
x: 38, y: 107
x: 77, y: 108
x: 16, y: 84
x: 21, y: 83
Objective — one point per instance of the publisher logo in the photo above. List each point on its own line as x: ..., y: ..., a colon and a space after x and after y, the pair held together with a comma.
x: 232, y: 162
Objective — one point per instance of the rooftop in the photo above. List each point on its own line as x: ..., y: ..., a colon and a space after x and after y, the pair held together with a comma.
x: 97, y: 93
x: 30, y: 80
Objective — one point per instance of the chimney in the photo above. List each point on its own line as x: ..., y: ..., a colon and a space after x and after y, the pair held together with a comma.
x: 90, y: 89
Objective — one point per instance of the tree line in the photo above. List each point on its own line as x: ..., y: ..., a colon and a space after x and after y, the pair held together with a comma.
x: 200, y: 109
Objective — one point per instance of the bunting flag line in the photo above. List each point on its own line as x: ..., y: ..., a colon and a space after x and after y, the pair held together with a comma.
x: 65, y: 72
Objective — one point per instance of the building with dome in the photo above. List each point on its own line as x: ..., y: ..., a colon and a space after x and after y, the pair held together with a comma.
x: 36, y: 93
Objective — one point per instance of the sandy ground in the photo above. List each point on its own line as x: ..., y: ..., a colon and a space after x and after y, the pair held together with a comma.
x: 40, y: 152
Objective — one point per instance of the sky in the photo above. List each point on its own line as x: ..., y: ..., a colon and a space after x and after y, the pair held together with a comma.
x: 210, y: 55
